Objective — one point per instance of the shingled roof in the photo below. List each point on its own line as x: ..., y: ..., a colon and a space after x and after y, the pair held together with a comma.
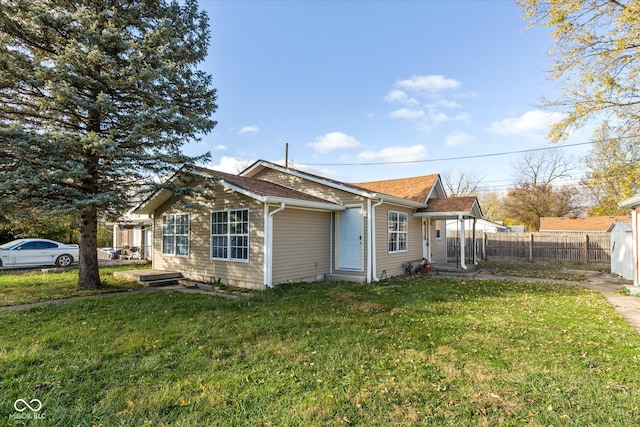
x: 590, y: 223
x: 259, y: 187
x: 416, y: 189
x: 452, y: 205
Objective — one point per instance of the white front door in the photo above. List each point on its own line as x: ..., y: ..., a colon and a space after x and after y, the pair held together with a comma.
x: 350, y: 239
x: 426, y: 223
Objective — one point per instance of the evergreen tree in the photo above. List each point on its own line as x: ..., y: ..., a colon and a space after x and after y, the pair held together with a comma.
x: 96, y: 98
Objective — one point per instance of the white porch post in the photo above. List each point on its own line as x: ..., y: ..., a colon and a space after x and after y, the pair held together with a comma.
x: 475, y: 246
x: 462, y: 239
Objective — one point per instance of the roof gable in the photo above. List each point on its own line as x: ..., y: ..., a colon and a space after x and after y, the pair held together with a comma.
x: 257, y: 189
x: 418, y: 188
x: 357, y: 189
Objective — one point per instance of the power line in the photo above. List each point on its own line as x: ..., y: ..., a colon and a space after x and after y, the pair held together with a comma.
x: 476, y: 156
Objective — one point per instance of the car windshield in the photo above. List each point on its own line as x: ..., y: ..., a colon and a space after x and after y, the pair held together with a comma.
x: 11, y: 245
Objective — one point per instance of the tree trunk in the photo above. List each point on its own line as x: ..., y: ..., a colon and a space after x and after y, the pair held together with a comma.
x: 88, y: 273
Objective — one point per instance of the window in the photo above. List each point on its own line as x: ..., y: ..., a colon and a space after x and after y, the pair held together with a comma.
x: 38, y: 244
x: 438, y: 229
x: 398, y: 231
x: 175, y: 234
x: 230, y: 234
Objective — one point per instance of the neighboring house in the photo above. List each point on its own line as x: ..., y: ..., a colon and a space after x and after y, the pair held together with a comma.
x: 574, y: 224
x: 634, y: 204
x: 482, y: 225
x: 271, y: 224
x: 133, y: 231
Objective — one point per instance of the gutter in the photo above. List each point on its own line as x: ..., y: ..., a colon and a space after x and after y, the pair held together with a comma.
x: 268, y: 253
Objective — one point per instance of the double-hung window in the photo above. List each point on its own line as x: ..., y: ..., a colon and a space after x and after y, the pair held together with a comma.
x: 230, y: 235
x: 175, y: 234
x: 398, y: 231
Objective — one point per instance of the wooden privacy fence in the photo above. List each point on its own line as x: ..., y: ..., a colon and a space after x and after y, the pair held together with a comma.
x: 591, y: 247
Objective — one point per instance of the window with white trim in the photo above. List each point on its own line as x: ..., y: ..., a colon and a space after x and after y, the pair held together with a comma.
x: 398, y: 231
x: 230, y: 235
x: 175, y: 234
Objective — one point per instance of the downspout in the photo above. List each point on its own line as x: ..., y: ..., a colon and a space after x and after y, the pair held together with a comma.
x: 268, y: 253
x: 369, y: 251
x: 372, y: 239
x: 462, y: 239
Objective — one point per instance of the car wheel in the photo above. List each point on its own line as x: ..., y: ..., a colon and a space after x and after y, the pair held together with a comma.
x: 64, y: 260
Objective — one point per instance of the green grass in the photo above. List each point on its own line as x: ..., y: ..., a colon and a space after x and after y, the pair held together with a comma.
x: 543, y: 270
x: 412, y: 352
x: 33, y: 286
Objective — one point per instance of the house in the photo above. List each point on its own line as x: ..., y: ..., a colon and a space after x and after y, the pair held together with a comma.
x: 634, y: 204
x: 575, y: 224
x: 482, y: 226
x: 134, y: 232
x: 272, y: 224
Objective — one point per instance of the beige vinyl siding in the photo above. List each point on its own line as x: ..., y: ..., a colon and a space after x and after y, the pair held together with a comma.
x: 391, y: 263
x: 438, y: 246
x: 301, y: 245
x: 310, y: 187
x: 332, y: 194
x: 199, y: 265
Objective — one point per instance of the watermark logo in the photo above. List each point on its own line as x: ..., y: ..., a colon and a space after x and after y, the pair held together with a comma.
x: 27, y: 410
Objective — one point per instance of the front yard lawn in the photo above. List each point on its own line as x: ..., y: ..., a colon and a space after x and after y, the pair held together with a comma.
x: 413, y: 352
x: 22, y: 287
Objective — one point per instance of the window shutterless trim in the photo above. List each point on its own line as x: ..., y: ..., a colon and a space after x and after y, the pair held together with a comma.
x: 175, y: 233
x: 398, y: 232
x: 230, y: 235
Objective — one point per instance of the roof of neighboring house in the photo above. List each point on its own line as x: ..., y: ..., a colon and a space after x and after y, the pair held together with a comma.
x: 590, y: 223
x: 417, y: 188
x: 449, y: 205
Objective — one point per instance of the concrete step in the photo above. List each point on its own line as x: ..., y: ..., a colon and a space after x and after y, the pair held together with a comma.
x: 150, y: 278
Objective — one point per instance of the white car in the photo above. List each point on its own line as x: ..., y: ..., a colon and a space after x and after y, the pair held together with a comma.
x: 37, y: 252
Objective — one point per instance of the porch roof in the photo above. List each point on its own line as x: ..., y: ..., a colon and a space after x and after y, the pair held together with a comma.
x: 451, y: 207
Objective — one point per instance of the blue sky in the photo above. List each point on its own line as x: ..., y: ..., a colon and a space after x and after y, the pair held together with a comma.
x: 352, y: 82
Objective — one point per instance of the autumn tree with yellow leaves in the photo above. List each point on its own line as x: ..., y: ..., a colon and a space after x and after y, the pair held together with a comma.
x: 596, y: 58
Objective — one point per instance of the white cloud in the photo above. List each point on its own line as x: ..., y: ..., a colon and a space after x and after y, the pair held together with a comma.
x: 230, y: 165
x: 333, y: 141
x: 395, y: 154
x: 407, y: 114
x: 458, y: 138
x: 249, y: 129
x: 430, y: 83
x: 449, y: 104
x: 396, y: 95
x: 530, y: 123
x: 429, y: 91
x: 220, y: 147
